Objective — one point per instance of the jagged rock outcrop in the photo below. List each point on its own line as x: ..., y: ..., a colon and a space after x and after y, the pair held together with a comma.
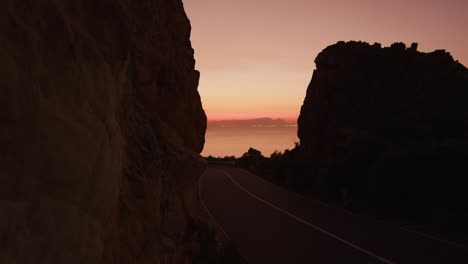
x: 101, y: 127
x: 388, y: 121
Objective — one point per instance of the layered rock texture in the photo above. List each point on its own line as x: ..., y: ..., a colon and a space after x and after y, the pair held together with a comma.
x: 391, y: 122
x: 100, y: 129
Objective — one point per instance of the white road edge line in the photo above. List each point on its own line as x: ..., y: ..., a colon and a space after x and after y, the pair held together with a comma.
x: 390, y: 225
x: 208, y: 211
x: 307, y: 223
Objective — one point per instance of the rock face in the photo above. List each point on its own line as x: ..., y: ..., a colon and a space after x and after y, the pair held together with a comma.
x: 375, y: 119
x: 101, y: 130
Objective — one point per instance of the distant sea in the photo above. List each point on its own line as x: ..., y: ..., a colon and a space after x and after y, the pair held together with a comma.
x: 235, y: 139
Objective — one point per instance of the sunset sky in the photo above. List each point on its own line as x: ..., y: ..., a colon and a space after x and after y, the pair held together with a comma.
x: 256, y: 57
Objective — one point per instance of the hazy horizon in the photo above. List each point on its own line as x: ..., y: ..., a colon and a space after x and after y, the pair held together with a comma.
x: 224, y: 141
x: 290, y: 121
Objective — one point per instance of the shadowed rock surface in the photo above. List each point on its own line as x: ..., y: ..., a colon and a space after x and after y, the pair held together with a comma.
x: 101, y: 130
x: 388, y: 125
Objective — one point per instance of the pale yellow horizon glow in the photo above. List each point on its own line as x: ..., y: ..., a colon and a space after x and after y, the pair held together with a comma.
x: 256, y: 58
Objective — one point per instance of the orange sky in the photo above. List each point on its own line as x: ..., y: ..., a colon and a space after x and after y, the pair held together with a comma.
x: 256, y: 57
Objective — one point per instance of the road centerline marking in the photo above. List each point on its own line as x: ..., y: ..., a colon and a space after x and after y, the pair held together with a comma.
x: 307, y: 223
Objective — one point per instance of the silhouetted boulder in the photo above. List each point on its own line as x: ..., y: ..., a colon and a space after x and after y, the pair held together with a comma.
x: 253, y: 153
x: 414, y: 47
x: 387, y: 124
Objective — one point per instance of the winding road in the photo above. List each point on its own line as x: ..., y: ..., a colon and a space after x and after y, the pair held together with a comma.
x: 271, y: 225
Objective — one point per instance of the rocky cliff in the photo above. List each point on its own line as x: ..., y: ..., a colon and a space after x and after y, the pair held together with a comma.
x: 101, y: 130
x: 387, y: 122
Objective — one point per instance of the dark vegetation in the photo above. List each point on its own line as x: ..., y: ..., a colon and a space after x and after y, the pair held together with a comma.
x: 423, y: 187
x: 221, y: 159
x: 282, y: 168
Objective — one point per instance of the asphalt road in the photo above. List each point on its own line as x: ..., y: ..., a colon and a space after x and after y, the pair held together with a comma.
x: 271, y: 225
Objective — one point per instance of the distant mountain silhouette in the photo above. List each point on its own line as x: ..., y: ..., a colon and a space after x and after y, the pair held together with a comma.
x: 265, y: 121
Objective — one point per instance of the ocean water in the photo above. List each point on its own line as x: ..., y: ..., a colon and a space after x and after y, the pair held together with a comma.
x: 235, y: 141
